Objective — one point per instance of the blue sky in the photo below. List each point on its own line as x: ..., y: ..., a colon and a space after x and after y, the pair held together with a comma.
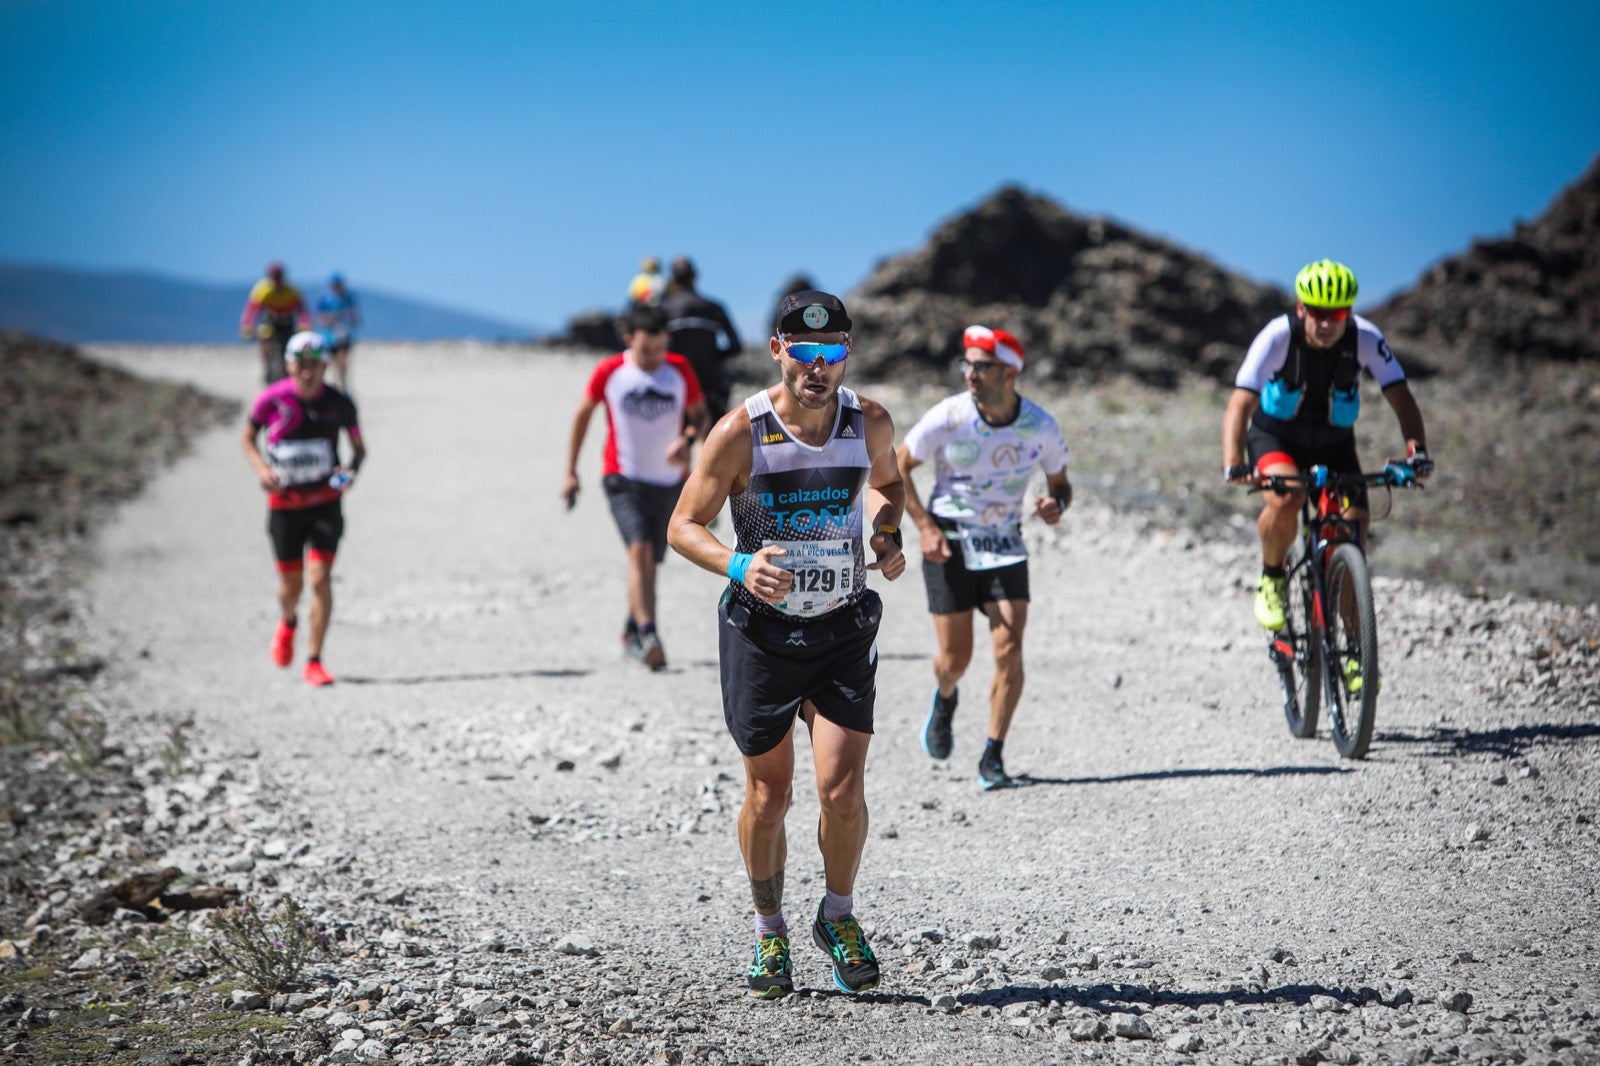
x: 517, y: 159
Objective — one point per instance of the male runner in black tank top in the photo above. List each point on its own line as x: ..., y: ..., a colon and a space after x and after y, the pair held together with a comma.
x: 812, y: 474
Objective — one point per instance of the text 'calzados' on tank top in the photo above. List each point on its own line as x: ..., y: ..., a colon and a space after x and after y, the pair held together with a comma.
x: 806, y: 500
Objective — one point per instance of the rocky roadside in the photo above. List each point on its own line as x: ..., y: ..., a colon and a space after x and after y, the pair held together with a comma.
x: 403, y: 985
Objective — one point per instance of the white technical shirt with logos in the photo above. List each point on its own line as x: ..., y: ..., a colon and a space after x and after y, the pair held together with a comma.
x: 981, y: 473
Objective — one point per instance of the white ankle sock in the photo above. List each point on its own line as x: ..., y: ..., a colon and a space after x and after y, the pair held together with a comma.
x: 835, y: 906
x: 771, y: 923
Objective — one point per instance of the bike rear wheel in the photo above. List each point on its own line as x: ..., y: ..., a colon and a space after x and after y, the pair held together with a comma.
x: 1352, y: 637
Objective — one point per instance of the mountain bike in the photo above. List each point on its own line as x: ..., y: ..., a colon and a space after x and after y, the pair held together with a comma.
x: 1328, y: 647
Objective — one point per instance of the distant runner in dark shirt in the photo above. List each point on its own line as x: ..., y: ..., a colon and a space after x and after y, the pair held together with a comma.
x: 694, y: 326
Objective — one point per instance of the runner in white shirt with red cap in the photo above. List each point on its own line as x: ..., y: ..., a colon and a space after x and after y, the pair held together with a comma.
x: 984, y: 443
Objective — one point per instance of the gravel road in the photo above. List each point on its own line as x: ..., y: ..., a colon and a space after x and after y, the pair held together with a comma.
x: 545, y: 832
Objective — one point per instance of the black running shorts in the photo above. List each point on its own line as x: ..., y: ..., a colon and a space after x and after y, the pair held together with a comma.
x: 641, y: 510
x: 953, y: 589
x: 1339, y: 458
x: 318, y: 528
x: 770, y: 666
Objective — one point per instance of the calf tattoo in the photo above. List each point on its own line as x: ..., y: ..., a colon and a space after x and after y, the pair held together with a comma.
x: 768, y: 892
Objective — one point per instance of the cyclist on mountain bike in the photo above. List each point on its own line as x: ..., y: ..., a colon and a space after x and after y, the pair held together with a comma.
x: 1294, y: 404
x: 273, y: 313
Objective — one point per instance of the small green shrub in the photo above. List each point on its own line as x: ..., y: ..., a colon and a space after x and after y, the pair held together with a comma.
x: 269, y: 951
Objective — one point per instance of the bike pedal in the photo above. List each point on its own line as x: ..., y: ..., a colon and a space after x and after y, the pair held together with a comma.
x: 1281, y: 649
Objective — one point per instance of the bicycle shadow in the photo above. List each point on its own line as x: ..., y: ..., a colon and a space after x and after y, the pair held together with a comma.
x: 1507, y: 742
x: 480, y: 675
x: 1028, y: 780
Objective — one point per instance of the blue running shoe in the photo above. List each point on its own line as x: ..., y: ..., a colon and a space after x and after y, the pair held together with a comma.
x: 936, y: 737
x: 855, y: 967
x: 992, y: 773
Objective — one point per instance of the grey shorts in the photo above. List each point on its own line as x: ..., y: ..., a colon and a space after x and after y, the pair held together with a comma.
x: 641, y: 510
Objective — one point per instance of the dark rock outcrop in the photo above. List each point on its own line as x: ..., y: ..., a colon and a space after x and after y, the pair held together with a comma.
x: 1534, y: 294
x: 591, y: 329
x: 1081, y: 293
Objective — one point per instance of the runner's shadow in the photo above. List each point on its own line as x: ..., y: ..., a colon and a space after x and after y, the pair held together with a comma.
x: 438, y: 679
x: 1508, y: 742
x: 1112, y: 999
x: 1027, y: 780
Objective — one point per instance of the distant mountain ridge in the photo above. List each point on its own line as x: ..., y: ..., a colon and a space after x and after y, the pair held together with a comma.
x: 82, y: 306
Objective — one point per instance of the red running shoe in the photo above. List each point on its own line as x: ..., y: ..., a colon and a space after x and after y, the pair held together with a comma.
x: 283, y: 644
x: 316, y: 675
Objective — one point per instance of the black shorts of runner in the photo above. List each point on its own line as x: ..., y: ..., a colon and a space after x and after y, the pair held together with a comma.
x: 1340, y: 458
x: 953, y: 589
x: 317, y: 528
x: 641, y: 510
x: 770, y: 666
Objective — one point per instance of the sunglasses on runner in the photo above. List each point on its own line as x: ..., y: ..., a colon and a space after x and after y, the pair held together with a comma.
x: 1328, y: 314
x: 808, y: 352
x: 974, y: 366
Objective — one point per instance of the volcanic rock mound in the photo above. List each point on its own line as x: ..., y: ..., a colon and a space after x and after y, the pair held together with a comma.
x: 1535, y: 294
x: 1081, y: 293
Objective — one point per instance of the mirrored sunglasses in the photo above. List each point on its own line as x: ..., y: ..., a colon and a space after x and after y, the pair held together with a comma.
x: 808, y: 352
x: 1328, y: 314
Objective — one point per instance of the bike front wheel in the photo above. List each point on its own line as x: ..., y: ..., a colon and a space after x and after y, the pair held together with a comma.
x: 1351, y: 670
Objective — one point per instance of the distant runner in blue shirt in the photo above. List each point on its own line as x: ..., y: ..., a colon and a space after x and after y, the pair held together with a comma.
x: 338, y: 316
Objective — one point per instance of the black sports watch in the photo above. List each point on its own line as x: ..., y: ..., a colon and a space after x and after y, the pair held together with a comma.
x: 893, y: 533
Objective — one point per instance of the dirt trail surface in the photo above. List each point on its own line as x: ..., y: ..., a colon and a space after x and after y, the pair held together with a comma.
x: 541, y: 835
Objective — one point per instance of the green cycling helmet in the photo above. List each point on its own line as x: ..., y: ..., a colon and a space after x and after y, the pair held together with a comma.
x: 1325, y: 284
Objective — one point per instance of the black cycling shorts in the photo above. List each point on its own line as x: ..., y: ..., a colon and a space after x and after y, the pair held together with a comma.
x: 953, y: 589
x: 641, y: 510
x: 318, y: 528
x: 1339, y: 458
x: 770, y: 666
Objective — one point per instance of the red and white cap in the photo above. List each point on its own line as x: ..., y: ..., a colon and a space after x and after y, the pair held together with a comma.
x: 1002, y: 345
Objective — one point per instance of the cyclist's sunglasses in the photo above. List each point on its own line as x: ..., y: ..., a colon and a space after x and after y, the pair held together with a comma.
x: 808, y: 352
x: 1328, y: 314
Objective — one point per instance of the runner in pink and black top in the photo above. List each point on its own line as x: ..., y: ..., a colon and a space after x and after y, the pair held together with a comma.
x: 301, y: 471
x: 655, y: 410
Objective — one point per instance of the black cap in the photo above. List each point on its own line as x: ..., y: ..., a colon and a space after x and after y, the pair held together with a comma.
x: 810, y: 311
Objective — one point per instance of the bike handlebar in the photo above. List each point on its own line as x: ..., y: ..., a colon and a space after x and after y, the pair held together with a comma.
x: 1394, y: 475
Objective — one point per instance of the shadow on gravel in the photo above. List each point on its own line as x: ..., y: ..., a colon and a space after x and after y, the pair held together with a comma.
x: 1111, y: 999
x: 443, y: 679
x: 1508, y: 742
x: 1026, y: 780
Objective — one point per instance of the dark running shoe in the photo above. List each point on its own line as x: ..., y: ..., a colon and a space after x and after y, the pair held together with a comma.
x: 855, y: 967
x: 992, y: 773
x: 936, y: 738
x: 771, y: 976
x: 652, y: 654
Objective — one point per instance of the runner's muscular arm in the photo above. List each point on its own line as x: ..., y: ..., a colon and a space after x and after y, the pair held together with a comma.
x: 1054, y: 506
x: 935, y: 546
x: 1236, y: 428
x: 580, y: 429
x: 886, y: 496
x: 252, y: 451
x: 723, y: 469
x: 699, y: 419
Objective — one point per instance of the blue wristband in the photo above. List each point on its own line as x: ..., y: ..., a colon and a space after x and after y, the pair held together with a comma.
x: 738, y: 564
